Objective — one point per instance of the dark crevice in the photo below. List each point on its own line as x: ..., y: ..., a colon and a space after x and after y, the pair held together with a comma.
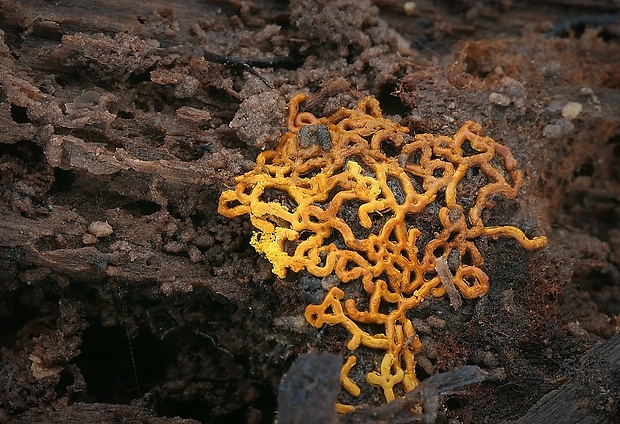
x: 108, y: 359
x: 19, y: 114
x: 391, y: 104
x: 141, y: 208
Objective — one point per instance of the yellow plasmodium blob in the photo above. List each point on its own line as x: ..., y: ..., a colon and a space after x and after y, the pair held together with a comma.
x: 341, y: 195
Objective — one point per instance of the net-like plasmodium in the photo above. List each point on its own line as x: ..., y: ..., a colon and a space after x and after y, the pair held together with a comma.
x: 299, y: 197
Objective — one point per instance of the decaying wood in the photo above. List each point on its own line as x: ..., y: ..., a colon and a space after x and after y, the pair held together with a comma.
x: 591, y: 396
x: 110, y: 113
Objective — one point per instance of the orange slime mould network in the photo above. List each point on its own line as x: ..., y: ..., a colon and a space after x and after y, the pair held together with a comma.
x: 341, y: 195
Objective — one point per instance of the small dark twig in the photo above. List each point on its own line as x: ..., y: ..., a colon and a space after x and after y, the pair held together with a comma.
x: 426, y: 396
x: 249, y: 64
x: 579, y: 23
x: 447, y: 279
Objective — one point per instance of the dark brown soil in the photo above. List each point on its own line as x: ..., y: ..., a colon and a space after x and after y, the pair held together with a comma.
x: 111, y: 113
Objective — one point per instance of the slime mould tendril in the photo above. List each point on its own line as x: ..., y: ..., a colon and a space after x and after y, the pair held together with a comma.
x: 323, y: 165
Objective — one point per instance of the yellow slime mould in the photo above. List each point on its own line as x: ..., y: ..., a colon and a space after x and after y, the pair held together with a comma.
x: 342, y: 195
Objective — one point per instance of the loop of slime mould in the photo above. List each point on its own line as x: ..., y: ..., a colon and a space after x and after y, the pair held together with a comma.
x: 322, y: 165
